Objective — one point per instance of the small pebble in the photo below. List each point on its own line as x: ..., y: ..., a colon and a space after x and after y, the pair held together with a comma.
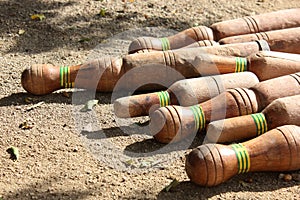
x: 75, y: 149
x: 287, y: 177
x: 248, y: 180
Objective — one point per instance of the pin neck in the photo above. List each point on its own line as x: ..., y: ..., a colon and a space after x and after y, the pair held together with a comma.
x: 243, y: 157
x: 199, y: 117
x: 240, y: 64
x: 165, y: 44
x: 260, y: 123
x: 164, y: 98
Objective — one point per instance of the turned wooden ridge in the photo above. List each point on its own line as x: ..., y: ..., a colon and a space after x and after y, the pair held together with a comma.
x: 281, y: 19
x: 159, y: 67
x: 265, y: 64
x: 173, y: 123
x: 285, y: 40
x: 185, y: 92
x: 282, y: 111
x: 276, y: 150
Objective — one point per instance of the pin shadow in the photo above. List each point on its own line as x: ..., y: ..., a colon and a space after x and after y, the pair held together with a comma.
x: 24, y: 98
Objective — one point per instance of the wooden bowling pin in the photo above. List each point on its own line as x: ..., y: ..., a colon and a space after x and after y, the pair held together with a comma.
x: 265, y: 64
x: 155, y: 67
x: 282, y: 111
x: 284, y: 40
x: 276, y: 150
x: 251, y: 24
x: 185, y: 92
x: 176, y: 41
x: 173, y: 123
x: 281, y: 19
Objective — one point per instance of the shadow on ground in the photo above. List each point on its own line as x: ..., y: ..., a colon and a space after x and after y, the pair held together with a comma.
x: 46, y: 193
x: 24, y: 98
x: 150, y: 146
x: 83, y: 30
x: 190, y: 191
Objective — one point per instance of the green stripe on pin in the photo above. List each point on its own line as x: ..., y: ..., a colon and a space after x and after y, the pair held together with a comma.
x: 243, y: 157
x: 61, y: 75
x: 198, y: 117
x: 240, y: 64
x: 165, y: 44
x: 164, y: 98
x: 260, y: 123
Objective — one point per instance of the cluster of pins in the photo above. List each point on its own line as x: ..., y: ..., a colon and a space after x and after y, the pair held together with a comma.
x: 257, y: 116
x: 242, y: 88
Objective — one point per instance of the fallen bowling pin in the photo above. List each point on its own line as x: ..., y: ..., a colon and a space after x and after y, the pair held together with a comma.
x: 284, y: 40
x: 173, y: 123
x: 276, y: 150
x: 179, y: 40
x: 184, y: 92
x: 282, y: 111
x: 158, y: 67
x: 276, y: 20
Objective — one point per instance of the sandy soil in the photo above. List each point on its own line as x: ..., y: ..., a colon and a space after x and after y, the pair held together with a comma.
x: 94, y: 155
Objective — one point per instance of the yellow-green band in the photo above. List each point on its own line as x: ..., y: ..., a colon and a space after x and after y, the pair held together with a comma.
x: 260, y: 122
x: 65, y: 77
x: 243, y: 158
x: 164, y: 98
x: 198, y: 117
x: 61, y: 75
x: 240, y: 64
x: 165, y: 44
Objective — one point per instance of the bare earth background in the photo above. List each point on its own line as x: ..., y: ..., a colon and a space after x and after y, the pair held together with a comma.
x: 59, y: 162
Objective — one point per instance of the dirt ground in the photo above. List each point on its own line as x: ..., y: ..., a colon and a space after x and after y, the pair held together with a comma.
x: 71, y: 155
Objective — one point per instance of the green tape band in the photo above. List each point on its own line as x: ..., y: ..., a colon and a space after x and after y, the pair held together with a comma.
x: 65, y: 77
x: 165, y: 44
x: 198, y: 117
x: 61, y: 75
x: 260, y: 122
x: 240, y: 64
x: 243, y: 157
x: 164, y: 98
